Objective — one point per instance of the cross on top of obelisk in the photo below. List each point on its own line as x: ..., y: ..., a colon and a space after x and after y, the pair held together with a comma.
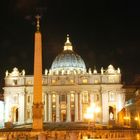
x: 38, y: 23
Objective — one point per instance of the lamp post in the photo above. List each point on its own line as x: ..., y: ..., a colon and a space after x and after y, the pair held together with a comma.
x: 91, y: 111
x: 137, y: 121
x: 89, y: 116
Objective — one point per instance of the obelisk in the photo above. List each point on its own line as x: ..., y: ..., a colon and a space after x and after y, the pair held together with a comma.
x: 37, y: 90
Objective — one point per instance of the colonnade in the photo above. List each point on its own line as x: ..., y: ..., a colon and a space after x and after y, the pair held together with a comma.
x: 48, y: 108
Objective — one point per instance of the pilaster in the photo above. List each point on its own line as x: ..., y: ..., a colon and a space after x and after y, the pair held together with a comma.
x: 105, y: 108
x: 81, y: 107
x: 57, y: 109
x: 45, y: 108
x: 49, y: 108
x: 21, y: 112
x: 76, y: 107
x: 68, y: 108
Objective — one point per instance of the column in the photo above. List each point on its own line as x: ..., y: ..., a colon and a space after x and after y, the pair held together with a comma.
x: 45, y: 108
x: 7, y: 107
x: 57, y: 109
x: 68, y: 108
x: 91, y: 97
x: 76, y: 107
x: 105, y: 108
x: 21, y: 108
x: 92, y: 100
x: 80, y: 107
x: 49, y: 108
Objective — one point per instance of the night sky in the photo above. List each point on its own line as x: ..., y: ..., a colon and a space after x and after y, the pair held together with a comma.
x: 102, y: 33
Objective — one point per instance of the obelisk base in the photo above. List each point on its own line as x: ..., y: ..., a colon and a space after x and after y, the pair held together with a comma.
x: 37, y: 116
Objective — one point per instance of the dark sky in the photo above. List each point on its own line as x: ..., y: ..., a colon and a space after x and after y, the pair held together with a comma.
x: 102, y: 32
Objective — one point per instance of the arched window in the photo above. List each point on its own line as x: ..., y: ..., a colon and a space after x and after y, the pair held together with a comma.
x: 14, y: 114
x: 72, y: 97
x: 53, y: 98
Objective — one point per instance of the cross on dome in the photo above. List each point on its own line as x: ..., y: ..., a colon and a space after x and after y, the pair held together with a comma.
x: 68, y: 45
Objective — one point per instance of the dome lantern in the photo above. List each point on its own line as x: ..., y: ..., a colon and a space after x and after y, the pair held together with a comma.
x: 68, y: 45
x: 68, y: 60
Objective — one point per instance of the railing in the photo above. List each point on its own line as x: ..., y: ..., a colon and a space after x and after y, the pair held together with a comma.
x: 72, y: 135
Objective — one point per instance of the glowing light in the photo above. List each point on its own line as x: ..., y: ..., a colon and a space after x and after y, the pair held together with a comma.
x: 92, y: 105
x: 71, y: 81
x: 137, y: 136
x: 96, y: 81
x: 111, y: 116
x: 85, y: 81
x: 53, y: 81
x: 53, y: 98
x: 46, y: 71
x: 136, y: 118
x: 91, y: 110
x: 97, y: 109
x: 126, y: 118
x: 95, y: 71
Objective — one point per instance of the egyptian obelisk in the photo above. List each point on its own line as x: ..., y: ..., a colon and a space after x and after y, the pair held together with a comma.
x: 37, y: 90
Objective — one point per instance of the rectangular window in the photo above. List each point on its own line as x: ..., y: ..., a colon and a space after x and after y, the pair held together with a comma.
x: 29, y: 82
x: 72, y: 97
x: 85, y: 97
x: 96, y: 81
x: 53, y: 81
x: 14, y: 82
x: 85, y: 81
x: 29, y: 99
x: 71, y: 81
x: 63, y: 98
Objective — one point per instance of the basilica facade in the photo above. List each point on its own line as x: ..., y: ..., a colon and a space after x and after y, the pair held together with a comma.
x: 69, y: 90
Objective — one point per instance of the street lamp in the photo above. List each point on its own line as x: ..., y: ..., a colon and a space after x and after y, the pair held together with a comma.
x: 89, y: 115
x: 126, y: 120
x: 137, y: 121
x: 91, y: 111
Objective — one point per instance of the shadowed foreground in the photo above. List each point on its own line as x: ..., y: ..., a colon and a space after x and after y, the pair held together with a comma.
x: 69, y: 131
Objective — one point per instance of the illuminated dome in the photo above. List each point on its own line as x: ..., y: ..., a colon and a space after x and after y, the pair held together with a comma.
x: 68, y: 61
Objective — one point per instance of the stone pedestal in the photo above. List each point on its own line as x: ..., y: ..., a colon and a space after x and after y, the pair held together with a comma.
x: 38, y: 116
